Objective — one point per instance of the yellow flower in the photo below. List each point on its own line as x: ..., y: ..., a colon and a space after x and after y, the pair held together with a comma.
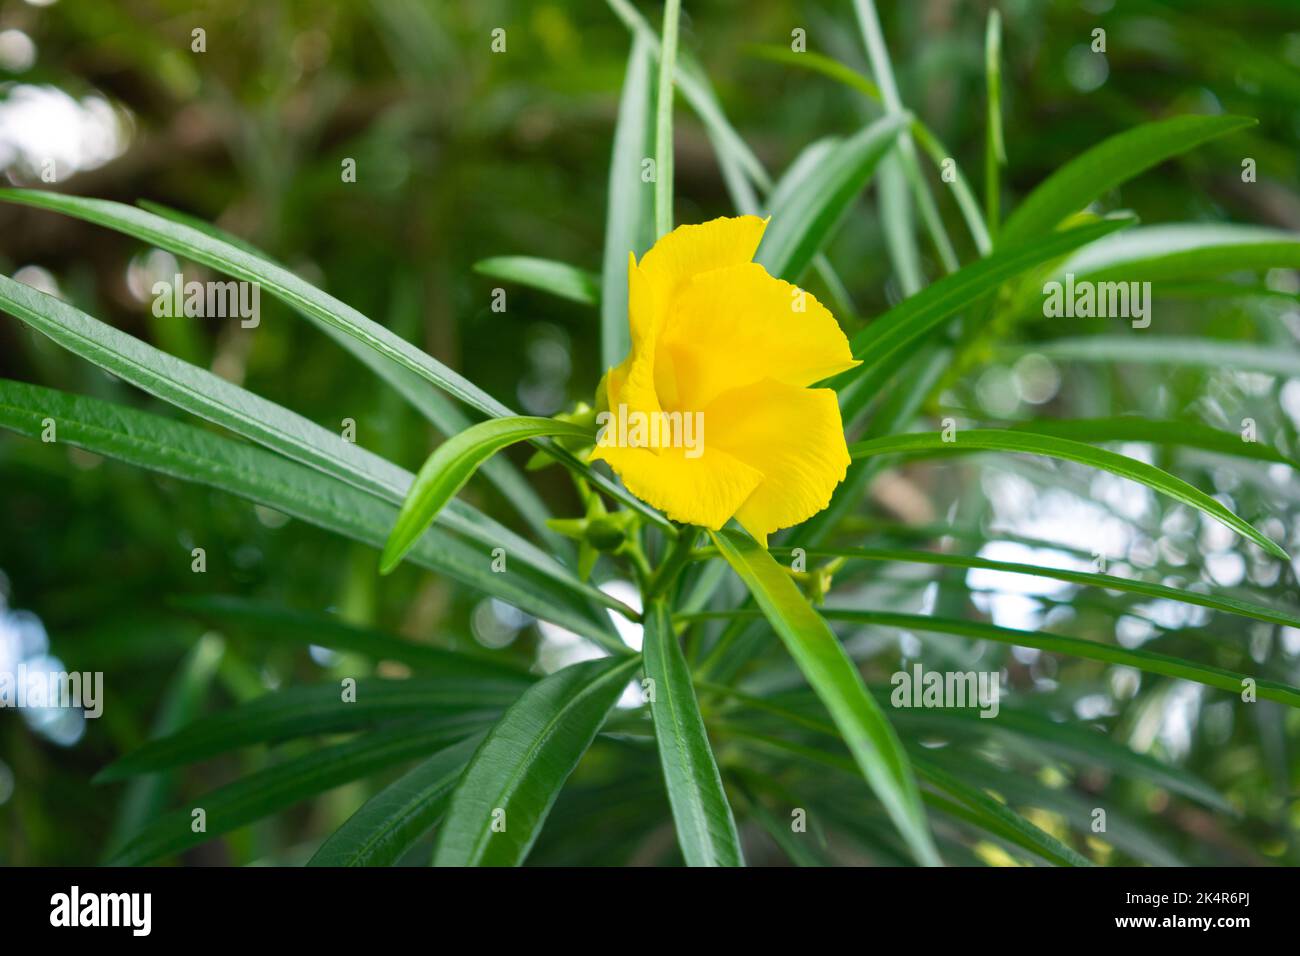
x: 710, y: 416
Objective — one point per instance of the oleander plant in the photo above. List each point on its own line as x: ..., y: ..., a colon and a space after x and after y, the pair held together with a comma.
x: 911, y: 482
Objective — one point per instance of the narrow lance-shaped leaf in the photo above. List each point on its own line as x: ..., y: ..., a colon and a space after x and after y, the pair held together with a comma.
x: 238, y: 261
x: 993, y: 439
x: 1184, y: 251
x: 818, y: 63
x: 318, y: 709
x: 394, y: 819
x: 501, y: 802
x: 883, y: 343
x: 1176, y: 258
x: 974, y: 806
x: 451, y: 465
x: 706, y: 830
x: 1073, y: 742
x: 805, y: 166
x: 925, y: 138
x: 210, y: 396
x: 739, y: 165
x: 808, y: 213
x: 557, y: 278
x: 270, y: 621
x: 900, y: 168
x: 203, y: 247
x: 1077, y: 743
x: 995, y: 153
x: 698, y: 95
x: 629, y: 220
x: 1109, y: 581
x: 441, y: 412
x: 1077, y: 647
x: 831, y: 674
x: 982, y: 810
x: 664, y: 119
x: 1137, y: 837
x: 1107, y: 165
x: 194, y: 454
x: 1142, y: 349
x: 147, y: 797
x: 1174, y: 434
x: 917, y: 377
x: 281, y: 785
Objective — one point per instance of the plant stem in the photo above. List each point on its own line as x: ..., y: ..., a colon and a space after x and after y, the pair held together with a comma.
x: 636, y: 555
x: 679, y: 555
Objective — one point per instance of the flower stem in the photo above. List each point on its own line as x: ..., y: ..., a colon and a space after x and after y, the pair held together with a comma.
x: 679, y: 555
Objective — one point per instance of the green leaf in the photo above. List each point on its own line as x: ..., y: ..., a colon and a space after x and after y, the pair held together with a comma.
x: 1132, y: 428
x: 739, y: 165
x: 974, y: 806
x: 979, y: 808
x: 1170, y: 350
x: 202, y: 246
x: 1222, y: 289
x: 808, y: 214
x: 1135, y: 837
x: 281, y: 785
x: 147, y: 797
x: 199, y: 246
x: 1109, y: 164
x: 818, y: 63
x: 938, y: 153
x: 1109, y: 581
x: 319, y: 709
x: 802, y: 169
x: 501, y: 802
x: 995, y: 151
x: 629, y: 221
x: 883, y: 343
x: 210, y: 396
x: 664, y: 119
x: 1077, y: 647
x: 451, y: 465
x: 697, y: 93
x: 781, y: 834
x: 706, y: 830
x: 557, y: 278
x: 900, y: 169
x: 439, y: 410
x: 993, y: 439
x: 276, y: 622
x: 1070, y: 741
x: 1075, y: 743
x: 1183, y: 251
x: 194, y: 454
x: 831, y: 674
x: 395, y: 819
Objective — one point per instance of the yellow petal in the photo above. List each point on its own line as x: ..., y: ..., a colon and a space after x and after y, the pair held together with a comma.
x: 645, y: 383
x: 705, y: 491
x: 712, y: 332
x: 688, y: 251
x: 793, y: 437
x: 735, y: 326
x: 632, y: 383
x: 642, y: 306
